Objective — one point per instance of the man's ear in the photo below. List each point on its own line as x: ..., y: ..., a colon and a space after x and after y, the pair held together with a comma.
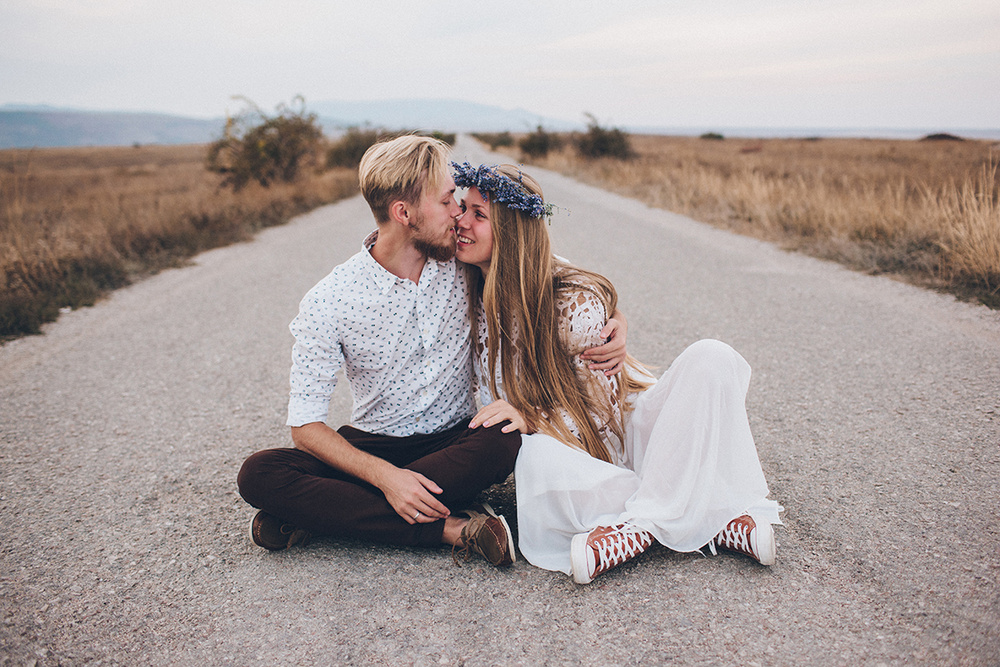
x: 399, y: 212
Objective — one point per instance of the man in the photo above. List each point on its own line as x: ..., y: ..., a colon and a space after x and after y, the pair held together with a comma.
x: 395, y: 318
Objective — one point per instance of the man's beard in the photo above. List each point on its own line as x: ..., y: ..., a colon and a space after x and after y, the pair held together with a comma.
x: 436, y: 251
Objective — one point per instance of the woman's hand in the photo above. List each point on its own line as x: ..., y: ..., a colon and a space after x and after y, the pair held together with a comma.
x: 609, y: 357
x: 500, y: 411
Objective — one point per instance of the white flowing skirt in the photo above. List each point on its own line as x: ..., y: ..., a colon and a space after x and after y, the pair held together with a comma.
x: 689, y: 466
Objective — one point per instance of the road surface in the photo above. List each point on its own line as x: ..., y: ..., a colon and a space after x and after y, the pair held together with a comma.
x: 875, y: 405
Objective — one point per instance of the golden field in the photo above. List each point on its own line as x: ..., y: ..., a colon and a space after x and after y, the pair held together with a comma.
x: 926, y: 211
x: 76, y: 222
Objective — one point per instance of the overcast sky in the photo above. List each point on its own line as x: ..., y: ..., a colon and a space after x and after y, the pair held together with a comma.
x: 729, y: 63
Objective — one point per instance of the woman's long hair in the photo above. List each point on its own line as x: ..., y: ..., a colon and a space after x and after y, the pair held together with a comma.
x: 519, y: 302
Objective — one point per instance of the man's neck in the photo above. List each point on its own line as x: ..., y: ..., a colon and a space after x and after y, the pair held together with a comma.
x: 398, y: 256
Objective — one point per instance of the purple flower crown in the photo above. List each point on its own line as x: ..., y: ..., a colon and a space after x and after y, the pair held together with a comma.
x: 501, y: 189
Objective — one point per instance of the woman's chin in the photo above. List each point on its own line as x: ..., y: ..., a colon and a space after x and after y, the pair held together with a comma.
x: 470, y: 258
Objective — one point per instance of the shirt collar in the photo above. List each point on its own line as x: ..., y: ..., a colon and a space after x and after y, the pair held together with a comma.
x: 385, y: 279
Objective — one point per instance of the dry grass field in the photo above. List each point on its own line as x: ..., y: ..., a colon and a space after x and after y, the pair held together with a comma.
x: 926, y: 211
x: 76, y: 222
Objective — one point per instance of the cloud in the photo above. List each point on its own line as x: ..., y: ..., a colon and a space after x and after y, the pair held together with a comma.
x: 622, y: 60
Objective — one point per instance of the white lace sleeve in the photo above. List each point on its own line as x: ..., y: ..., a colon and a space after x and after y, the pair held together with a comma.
x: 480, y: 359
x: 582, y: 315
x: 581, y: 318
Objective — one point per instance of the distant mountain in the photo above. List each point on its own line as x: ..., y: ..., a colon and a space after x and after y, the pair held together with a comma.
x: 39, y: 126
x: 436, y: 114
x: 26, y: 126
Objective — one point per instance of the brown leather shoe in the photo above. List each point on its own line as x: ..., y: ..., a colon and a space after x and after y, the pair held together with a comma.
x: 270, y: 532
x: 487, y: 535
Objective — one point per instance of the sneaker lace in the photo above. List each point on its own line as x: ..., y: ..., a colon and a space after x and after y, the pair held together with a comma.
x: 618, y: 546
x: 735, y: 536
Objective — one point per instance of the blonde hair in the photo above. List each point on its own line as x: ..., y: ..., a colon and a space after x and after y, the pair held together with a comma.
x: 400, y: 169
x: 519, y: 303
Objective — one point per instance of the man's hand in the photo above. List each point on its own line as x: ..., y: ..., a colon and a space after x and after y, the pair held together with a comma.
x: 499, y: 411
x: 411, y: 495
x: 609, y: 357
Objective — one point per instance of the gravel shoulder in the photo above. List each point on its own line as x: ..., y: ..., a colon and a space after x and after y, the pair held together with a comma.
x: 876, y: 408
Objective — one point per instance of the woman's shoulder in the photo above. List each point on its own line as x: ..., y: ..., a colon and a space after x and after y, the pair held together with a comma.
x: 580, y: 292
x: 581, y: 310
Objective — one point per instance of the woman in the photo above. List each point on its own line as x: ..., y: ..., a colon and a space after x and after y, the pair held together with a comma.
x: 608, y: 464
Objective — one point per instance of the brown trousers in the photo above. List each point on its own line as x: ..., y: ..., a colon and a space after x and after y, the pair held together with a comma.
x: 301, y: 489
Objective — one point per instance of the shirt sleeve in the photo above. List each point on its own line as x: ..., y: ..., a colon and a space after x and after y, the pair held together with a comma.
x: 581, y: 318
x: 317, y: 355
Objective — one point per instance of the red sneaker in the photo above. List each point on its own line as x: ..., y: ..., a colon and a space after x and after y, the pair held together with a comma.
x: 746, y: 536
x: 603, y: 548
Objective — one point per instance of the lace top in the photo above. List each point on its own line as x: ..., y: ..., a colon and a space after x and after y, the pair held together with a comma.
x: 581, y: 317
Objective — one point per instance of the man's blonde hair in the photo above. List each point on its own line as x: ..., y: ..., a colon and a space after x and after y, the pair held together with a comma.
x: 400, y: 169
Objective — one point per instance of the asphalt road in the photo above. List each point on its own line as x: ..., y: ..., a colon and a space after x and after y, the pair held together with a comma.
x: 876, y: 408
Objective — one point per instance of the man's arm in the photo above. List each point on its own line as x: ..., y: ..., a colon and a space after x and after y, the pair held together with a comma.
x: 407, y: 491
x: 610, y: 357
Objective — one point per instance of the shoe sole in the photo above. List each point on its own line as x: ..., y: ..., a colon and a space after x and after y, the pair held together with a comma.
x: 578, y: 559
x: 253, y: 538
x: 767, y: 551
x: 510, y: 536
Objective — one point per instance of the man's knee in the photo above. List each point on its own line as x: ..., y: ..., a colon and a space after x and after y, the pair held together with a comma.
x: 501, y: 447
x: 253, y: 477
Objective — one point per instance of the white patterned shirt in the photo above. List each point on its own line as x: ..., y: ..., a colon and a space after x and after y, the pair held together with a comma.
x: 405, y: 347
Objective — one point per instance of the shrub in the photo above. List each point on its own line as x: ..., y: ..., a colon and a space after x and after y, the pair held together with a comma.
x: 539, y: 143
x: 446, y: 137
x: 350, y: 148
x: 495, y: 139
x: 266, y: 149
x: 712, y: 136
x: 941, y: 136
x: 599, y: 142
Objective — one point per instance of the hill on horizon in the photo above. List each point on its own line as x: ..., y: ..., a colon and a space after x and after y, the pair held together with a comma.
x: 433, y: 114
x: 41, y: 126
x: 49, y: 128
x: 23, y: 126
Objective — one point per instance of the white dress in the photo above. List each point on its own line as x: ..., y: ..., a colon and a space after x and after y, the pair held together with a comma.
x: 688, y: 465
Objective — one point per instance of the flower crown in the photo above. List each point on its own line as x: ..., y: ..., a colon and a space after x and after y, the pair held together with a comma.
x: 502, y: 189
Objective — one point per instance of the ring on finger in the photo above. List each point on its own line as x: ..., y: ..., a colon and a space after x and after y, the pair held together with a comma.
x: 416, y: 516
